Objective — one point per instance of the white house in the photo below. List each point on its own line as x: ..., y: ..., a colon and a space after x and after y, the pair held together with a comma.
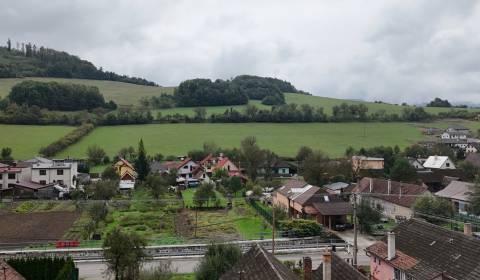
x: 472, y: 148
x: 416, y: 163
x: 8, y: 175
x: 186, y: 167
x: 44, y: 171
x: 439, y: 162
x: 454, y: 135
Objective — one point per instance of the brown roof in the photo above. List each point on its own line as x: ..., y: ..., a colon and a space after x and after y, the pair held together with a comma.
x: 31, y: 185
x: 400, y: 193
x: 473, y: 158
x: 436, y: 250
x: 8, y: 273
x: 341, y: 270
x: 457, y: 190
x: 333, y: 208
x: 259, y: 264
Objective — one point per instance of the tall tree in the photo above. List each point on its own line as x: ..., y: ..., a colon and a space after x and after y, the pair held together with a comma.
x: 124, y: 254
x: 252, y: 156
x: 141, y: 163
x: 315, y: 168
x: 218, y: 259
x: 95, y: 154
x: 6, y: 154
x: 9, y: 45
x: 403, y: 171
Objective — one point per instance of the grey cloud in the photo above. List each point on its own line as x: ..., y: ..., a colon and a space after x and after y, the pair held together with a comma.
x: 390, y: 50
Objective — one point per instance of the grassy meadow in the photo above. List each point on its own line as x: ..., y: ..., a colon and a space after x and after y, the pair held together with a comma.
x: 26, y: 140
x: 284, y: 139
x: 121, y: 93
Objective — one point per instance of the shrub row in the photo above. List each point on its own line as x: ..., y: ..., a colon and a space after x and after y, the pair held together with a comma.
x: 67, y: 140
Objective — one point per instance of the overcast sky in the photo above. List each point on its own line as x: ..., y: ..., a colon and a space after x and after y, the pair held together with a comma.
x: 405, y: 50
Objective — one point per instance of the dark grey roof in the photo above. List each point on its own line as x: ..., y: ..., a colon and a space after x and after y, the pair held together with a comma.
x: 433, y: 250
x: 333, y: 208
x: 474, y: 159
x: 259, y: 264
x: 341, y: 270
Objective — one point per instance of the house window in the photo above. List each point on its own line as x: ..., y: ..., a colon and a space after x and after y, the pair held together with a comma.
x: 11, y: 176
x: 185, y: 167
x: 448, y: 164
x: 43, y: 172
x: 1, y: 176
x: 396, y: 274
x: 59, y: 171
x: 43, y: 182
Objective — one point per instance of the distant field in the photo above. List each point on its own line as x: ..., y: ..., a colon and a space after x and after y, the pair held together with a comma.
x: 121, y: 93
x: 284, y: 139
x: 26, y: 140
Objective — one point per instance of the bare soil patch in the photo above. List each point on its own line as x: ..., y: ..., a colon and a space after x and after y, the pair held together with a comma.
x: 34, y: 228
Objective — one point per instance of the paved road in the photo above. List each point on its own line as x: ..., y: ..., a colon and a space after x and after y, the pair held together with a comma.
x: 95, y: 270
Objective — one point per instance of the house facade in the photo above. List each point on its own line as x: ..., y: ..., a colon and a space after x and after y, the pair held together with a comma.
x: 459, y: 193
x: 9, y: 176
x: 360, y: 163
x: 393, y: 199
x: 43, y: 171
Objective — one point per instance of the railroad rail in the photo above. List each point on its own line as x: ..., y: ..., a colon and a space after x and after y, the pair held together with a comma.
x: 184, y: 250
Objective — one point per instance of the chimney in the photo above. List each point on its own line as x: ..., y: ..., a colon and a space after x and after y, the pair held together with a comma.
x: 371, y: 184
x: 391, y: 246
x: 327, y: 265
x: 307, y: 268
x: 467, y: 229
x: 389, y: 186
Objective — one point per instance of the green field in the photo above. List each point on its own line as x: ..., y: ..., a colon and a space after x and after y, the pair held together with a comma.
x: 121, y: 93
x: 130, y: 94
x: 26, y: 140
x: 284, y: 139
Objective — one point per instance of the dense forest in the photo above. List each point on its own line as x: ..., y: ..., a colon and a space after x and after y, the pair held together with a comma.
x: 204, y: 92
x: 58, y: 96
x: 27, y: 60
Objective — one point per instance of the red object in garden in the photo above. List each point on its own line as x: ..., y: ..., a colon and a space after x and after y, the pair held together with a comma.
x: 67, y: 243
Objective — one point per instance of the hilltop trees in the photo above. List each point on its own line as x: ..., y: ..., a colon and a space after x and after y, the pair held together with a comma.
x: 438, y: 102
x: 58, y: 96
x: 204, y: 92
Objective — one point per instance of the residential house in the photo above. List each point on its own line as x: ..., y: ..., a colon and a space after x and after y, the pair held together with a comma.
x: 474, y: 159
x: 336, y: 188
x: 472, y: 147
x: 9, y: 273
x: 458, y: 128
x: 127, y: 174
x: 185, y: 168
x: 278, y: 168
x: 363, y: 163
x: 460, y: 144
x: 63, y: 172
x: 33, y: 190
x: 459, y: 193
x: 416, y: 249
x: 333, y: 267
x: 8, y: 176
x: 394, y: 199
x: 417, y: 163
x: 453, y: 135
x: 257, y: 263
x: 212, y: 163
x: 439, y: 162
x: 300, y: 200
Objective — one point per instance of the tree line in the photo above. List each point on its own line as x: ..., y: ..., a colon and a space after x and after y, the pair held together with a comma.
x: 58, y: 96
x: 205, y: 92
x: 46, y: 62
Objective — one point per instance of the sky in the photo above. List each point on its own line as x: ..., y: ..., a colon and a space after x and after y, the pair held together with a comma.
x: 395, y: 51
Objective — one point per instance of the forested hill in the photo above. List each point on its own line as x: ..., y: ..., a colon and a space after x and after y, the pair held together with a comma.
x: 28, y: 60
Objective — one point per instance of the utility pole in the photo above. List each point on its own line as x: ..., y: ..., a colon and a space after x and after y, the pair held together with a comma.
x: 355, y: 249
x: 273, y: 230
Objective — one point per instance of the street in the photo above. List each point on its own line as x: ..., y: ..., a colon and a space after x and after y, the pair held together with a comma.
x: 95, y: 270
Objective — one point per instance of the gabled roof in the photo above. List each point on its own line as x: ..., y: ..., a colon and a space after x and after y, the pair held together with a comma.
x: 433, y: 250
x: 8, y: 273
x: 402, y: 194
x: 31, y: 185
x: 435, y: 161
x: 206, y: 159
x: 341, y: 270
x: 183, y: 162
x: 122, y: 161
x: 334, y: 208
x: 337, y: 186
x: 457, y: 190
x: 259, y: 264
x: 473, y: 158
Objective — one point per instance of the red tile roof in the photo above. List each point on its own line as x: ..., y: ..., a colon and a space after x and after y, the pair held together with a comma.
x: 401, y: 261
x: 10, y: 169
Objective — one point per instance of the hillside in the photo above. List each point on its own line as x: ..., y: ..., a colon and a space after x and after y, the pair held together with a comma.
x: 121, y: 93
x: 33, y: 61
x: 130, y: 94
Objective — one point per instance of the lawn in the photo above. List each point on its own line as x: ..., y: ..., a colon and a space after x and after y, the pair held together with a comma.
x: 121, y: 93
x: 284, y: 139
x: 26, y: 140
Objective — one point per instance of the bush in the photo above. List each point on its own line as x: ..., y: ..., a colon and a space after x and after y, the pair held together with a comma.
x: 45, y: 268
x: 302, y: 228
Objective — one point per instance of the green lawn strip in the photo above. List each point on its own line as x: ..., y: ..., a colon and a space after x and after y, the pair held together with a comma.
x: 248, y: 223
x: 283, y: 139
x: 98, y: 168
x: 183, y: 276
x: 187, y: 196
